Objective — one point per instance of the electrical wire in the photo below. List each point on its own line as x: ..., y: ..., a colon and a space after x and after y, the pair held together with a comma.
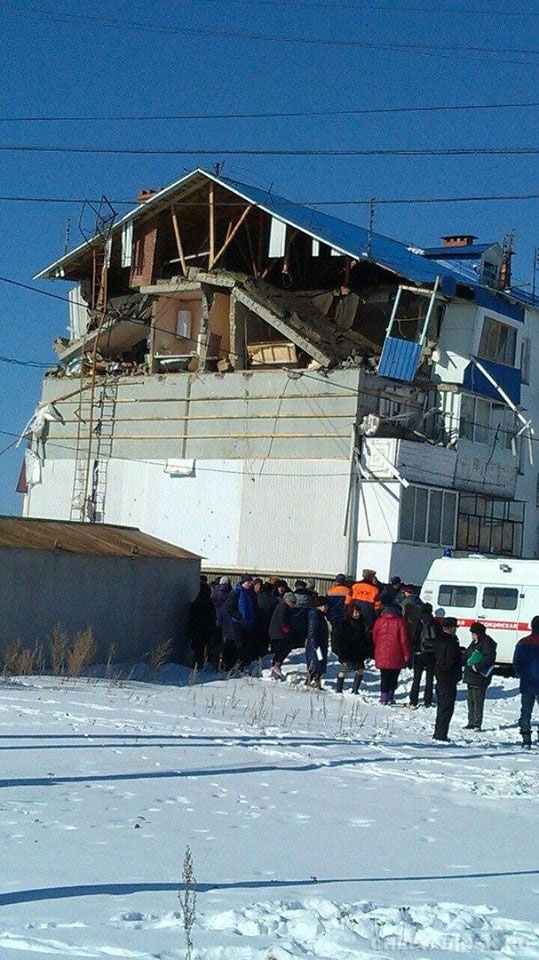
x: 280, y: 114
x: 150, y: 26
x: 279, y: 152
x: 26, y: 363
x: 476, y: 198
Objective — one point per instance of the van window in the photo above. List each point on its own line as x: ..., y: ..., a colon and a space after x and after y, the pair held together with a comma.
x: 500, y: 598
x: 450, y: 595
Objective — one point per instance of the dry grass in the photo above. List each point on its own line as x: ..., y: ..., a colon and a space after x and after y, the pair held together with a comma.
x: 160, y: 653
x: 20, y: 661
x: 65, y: 657
x: 58, y: 650
x: 81, y: 653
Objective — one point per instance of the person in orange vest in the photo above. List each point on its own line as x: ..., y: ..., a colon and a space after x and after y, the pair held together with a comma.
x: 337, y: 595
x: 365, y: 594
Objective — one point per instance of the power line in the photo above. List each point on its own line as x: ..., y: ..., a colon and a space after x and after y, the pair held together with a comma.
x: 26, y: 363
x: 367, y: 111
x: 429, y: 9
x: 306, y: 203
x: 26, y: 286
x: 279, y: 152
x: 429, y: 49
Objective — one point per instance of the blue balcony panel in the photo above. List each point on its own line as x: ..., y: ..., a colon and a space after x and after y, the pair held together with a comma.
x: 399, y: 359
x: 507, y: 377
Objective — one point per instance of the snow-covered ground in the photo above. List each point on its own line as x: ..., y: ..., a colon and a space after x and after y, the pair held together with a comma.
x: 319, y: 825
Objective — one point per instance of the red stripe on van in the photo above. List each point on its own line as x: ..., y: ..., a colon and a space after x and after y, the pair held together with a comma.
x: 495, y: 624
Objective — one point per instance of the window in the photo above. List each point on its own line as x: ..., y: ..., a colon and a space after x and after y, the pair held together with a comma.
x: 490, y: 274
x: 451, y: 595
x: 498, y: 342
x: 485, y: 421
x: 492, y: 526
x: 500, y: 598
x: 428, y: 515
x: 138, y: 260
x: 183, y: 324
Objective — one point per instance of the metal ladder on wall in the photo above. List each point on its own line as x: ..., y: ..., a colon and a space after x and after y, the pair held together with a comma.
x: 95, y: 415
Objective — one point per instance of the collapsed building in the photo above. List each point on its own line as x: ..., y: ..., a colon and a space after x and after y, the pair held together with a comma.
x: 279, y: 390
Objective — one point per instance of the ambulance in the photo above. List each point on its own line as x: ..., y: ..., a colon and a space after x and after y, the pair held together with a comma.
x: 499, y: 592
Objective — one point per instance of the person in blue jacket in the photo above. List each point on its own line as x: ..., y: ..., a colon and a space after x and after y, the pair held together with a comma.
x: 316, y: 644
x: 526, y: 666
x: 239, y: 618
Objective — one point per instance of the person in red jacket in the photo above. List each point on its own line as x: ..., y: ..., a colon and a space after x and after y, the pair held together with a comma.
x: 392, y: 650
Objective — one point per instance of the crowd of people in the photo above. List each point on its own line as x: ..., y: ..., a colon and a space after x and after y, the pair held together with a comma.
x: 233, y: 627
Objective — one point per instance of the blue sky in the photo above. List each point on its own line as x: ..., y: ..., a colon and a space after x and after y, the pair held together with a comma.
x: 327, y: 62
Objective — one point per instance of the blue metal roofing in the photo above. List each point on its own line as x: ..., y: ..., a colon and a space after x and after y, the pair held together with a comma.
x: 401, y: 258
x: 458, y: 252
x: 405, y: 260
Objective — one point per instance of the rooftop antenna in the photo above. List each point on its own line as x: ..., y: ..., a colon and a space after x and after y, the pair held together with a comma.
x: 372, y: 201
x: 507, y: 253
x: 67, y: 235
x: 218, y: 167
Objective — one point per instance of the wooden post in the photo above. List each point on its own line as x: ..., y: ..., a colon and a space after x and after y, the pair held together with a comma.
x: 179, y: 241
x: 231, y: 235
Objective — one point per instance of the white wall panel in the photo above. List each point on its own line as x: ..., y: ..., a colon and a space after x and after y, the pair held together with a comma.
x: 198, y: 512
x: 293, y: 516
x: 52, y: 497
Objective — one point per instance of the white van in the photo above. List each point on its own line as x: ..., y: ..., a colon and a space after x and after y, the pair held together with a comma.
x: 501, y: 593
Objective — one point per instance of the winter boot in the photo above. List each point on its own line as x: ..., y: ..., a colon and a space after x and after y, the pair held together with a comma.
x: 384, y: 699
x: 339, y: 684
x: 526, y: 739
x: 357, y: 680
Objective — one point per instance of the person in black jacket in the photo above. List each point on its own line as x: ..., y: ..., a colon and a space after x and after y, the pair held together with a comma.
x: 201, y: 624
x: 281, y: 634
x: 300, y: 612
x: 425, y: 633
x: 526, y: 665
x: 479, y: 658
x: 448, y: 672
x: 351, y: 643
x: 266, y: 604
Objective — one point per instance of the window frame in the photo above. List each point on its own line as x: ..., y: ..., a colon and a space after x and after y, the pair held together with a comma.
x: 410, y: 521
x: 500, y: 593
x: 456, y: 587
x: 476, y: 427
x: 490, y: 525
x: 497, y: 342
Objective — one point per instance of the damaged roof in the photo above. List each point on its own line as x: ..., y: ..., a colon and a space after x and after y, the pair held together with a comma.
x: 305, y: 322
x: 405, y: 260
x: 67, y: 536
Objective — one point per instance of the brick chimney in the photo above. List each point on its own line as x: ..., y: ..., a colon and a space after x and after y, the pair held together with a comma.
x: 459, y: 240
